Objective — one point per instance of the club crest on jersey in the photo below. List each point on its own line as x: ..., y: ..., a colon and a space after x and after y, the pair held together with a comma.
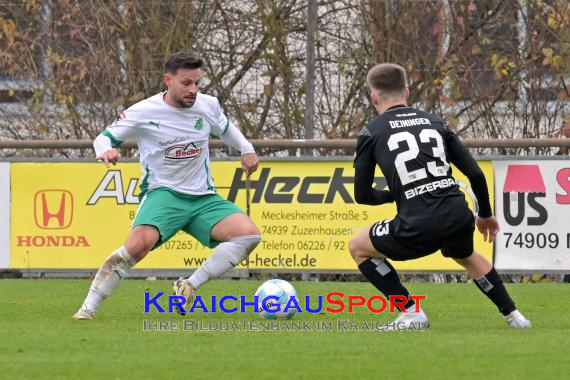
x: 199, y: 124
x: 182, y: 151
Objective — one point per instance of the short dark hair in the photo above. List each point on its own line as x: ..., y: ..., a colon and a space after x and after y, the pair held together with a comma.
x: 387, y: 78
x: 182, y: 60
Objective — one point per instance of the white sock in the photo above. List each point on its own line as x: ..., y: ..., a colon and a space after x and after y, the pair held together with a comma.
x: 108, y: 277
x: 226, y: 256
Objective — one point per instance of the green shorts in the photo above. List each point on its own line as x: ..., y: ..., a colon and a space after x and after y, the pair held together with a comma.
x: 171, y: 212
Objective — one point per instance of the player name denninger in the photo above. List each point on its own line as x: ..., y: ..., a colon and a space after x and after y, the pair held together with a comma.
x: 339, y: 325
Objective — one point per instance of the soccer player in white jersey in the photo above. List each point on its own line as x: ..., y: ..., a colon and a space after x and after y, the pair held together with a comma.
x: 172, y: 131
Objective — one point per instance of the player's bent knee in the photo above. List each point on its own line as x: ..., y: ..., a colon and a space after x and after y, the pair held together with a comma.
x: 233, y: 226
x: 141, y: 240
x: 250, y: 230
x: 246, y: 227
x: 138, y: 250
x: 354, y: 247
x: 360, y: 251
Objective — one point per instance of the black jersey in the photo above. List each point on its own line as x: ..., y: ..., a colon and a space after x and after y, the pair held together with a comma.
x: 414, y: 150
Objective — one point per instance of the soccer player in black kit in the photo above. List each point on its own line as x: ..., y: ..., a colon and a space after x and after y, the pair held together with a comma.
x: 414, y: 150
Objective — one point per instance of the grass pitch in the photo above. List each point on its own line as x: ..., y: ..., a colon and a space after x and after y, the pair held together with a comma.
x: 467, y: 338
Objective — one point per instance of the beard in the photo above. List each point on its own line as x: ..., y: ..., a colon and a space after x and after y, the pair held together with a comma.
x: 186, y: 102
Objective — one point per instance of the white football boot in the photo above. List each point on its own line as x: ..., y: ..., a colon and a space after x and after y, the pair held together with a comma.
x: 182, y: 287
x: 411, y: 320
x: 84, y: 314
x: 517, y: 321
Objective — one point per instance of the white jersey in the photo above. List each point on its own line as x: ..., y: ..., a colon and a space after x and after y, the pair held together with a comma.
x: 173, y: 142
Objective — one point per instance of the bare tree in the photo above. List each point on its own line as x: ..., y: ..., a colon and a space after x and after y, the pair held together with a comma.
x: 492, y: 68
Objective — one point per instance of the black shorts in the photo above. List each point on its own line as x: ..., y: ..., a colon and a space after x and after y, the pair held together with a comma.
x: 385, y: 239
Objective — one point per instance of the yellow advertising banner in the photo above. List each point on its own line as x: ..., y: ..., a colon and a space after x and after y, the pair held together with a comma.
x: 73, y: 215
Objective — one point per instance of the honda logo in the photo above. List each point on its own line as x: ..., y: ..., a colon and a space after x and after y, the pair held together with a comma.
x: 53, y: 209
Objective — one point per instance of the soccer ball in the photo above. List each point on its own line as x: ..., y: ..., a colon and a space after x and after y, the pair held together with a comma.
x: 278, y: 288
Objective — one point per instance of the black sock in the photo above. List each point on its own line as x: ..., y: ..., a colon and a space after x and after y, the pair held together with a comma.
x: 385, y: 278
x: 492, y: 286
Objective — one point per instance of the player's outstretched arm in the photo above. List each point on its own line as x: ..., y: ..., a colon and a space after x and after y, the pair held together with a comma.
x: 486, y: 223
x: 234, y: 138
x: 364, y: 193
x: 460, y: 156
x: 104, y: 150
x: 364, y: 167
